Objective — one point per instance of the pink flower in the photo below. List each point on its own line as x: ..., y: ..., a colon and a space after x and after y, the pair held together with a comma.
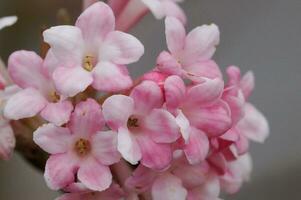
x: 189, y: 56
x: 7, y: 21
x: 80, y: 149
x: 199, y: 106
x: 237, y: 173
x: 38, y: 94
x: 114, y: 192
x: 92, y: 53
x: 129, y: 12
x: 145, y: 130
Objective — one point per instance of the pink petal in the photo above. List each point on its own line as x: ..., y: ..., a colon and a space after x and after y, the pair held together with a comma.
x: 57, y: 113
x: 142, y: 179
x: 236, y: 104
x: 214, y: 120
x: 104, y: 147
x: 218, y: 162
x: 128, y: 146
x: 254, y: 125
x: 7, y: 21
x: 247, y: 84
x: 205, y: 93
x: 168, y: 186
x: 147, y: 96
x: 121, y: 48
x: 87, y: 118
x: 59, y: 171
x: 155, y: 156
x: 117, y: 109
x: 95, y: 23
x: 162, y: 126
x: 200, y: 44
x: 156, y: 8
x: 184, y: 125
x: 53, y: 139
x: 205, y: 69
x: 71, y: 81
x: 26, y: 103
x: 7, y: 140
x: 51, y: 62
x: 94, y: 175
x: 175, y: 35
x: 172, y: 9
x: 197, y: 148
x: 175, y: 92
x: 166, y: 63
x: 130, y: 15
x: 66, y: 44
x: 109, y: 77
x: 25, y: 69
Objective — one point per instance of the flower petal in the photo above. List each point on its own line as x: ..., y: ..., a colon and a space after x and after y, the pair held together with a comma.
x: 66, y: 44
x: 128, y: 146
x: 162, y: 126
x: 109, y: 77
x: 104, y: 147
x: 117, y: 6
x: 57, y: 113
x: 205, y: 69
x: 71, y: 81
x: 184, y: 125
x: 25, y: 69
x: 147, y: 96
x: 121, y: 48
x: 200, y: 44
x: 94, y: 175
x: 168, y: 64
x: 117, y: 109
x: 7, y: 21
x: 7, y: 140
x: 254, y: 125
x: 175, y: 92
x: 168, y: 186
x: 53, y: 139
x: 25, y: 103
x: 175, y: 35
x: 155, y: 156
x: 247, y: 84
x: 86, y: 119
x: 205, y: 93
x: 59, y: 171
x: 197, y: 148
x: 214, y: 120
x: 95, y: 23
x: 172, y: 9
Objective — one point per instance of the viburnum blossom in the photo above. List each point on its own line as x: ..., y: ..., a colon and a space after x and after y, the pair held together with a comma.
x: 145, y: 130
x: 81, y: 148
x: 92, y: 53
x: 38, y: 94
x: 178, y: 132
x: 189, y: 56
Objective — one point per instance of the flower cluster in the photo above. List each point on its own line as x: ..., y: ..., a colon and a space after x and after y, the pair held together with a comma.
x: 178, y: 132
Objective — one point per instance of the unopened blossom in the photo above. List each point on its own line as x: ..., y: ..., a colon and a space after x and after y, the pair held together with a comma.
x: 38, y: 93
x: 92, y: 53
x: 145, y: 130
x: 129, y: 12
x: 7, y: 21
x: 114, y: 192
x: 189, y: 55
x: 81, y: 149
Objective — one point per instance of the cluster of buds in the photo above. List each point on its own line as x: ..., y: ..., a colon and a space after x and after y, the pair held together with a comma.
x: 178, y: 132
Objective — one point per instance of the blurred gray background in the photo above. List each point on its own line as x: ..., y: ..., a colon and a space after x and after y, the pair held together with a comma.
x: 259, y: 35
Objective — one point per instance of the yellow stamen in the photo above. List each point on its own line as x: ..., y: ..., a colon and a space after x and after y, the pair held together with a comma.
x: 82, y: 147
x: 88, y: 63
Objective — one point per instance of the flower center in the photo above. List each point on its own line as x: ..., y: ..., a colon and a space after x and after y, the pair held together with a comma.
x: 88, y: 63
x: 133, y: 122
x: 82, y: 147
x: 54, y: 97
